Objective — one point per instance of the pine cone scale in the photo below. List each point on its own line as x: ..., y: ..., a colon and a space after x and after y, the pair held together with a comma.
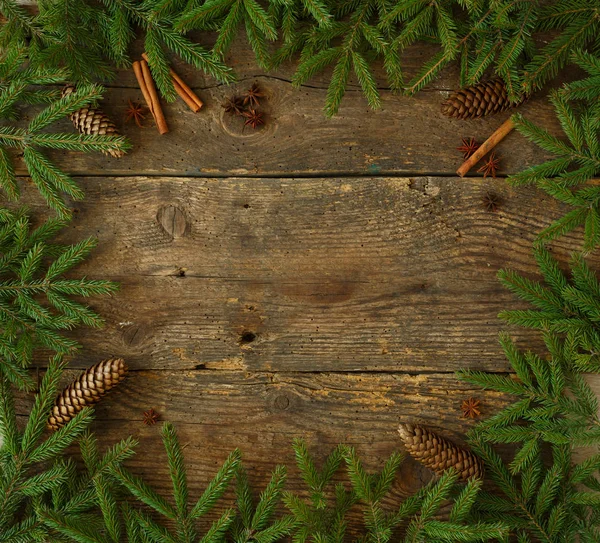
x: 485, y: 98
x: 91, y: 120
x: 86, y: 390
x: 439, y: 454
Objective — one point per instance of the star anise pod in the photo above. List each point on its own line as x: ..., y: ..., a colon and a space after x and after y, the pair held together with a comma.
x: 135, y: 111
x: 253, y: 118
x: 253, y: 96
x: 491, y: 201
x: 490, y: 168
x: 234, y: 105
x: 150, y: 417
x: 470, y: 408
x: 468, y: 147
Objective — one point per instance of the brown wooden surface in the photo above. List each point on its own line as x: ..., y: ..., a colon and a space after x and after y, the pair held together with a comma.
x: 262, y: 412
x: 318, y: 278
x: 350, y: 274
x: 408, y: 136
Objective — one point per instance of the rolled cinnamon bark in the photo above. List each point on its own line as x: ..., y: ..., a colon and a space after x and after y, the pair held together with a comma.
x: 161, y: 122
x: 183, y: 90
x: 137, y: 70
x: 504, y: 129
x: 186, y: 92
x: 186, y: 97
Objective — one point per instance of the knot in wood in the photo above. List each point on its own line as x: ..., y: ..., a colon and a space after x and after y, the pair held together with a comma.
x: 282, y: 402
x: 134, y: 335
x: 247, y: 337
x: 172, y: 220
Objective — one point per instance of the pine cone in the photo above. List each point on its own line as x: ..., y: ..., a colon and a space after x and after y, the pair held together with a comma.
x: 439, y: 454
x: 86, y: 390
x: 479, y: 100
x: 91, y: 120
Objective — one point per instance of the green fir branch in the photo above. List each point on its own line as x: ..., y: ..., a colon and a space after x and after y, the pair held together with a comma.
x: 32, y: 270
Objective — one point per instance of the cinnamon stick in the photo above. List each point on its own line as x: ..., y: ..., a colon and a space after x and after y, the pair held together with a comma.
x: 183, y: 90
x: 504, y: 129
x: 186, y: 92
x: 161, y: 122
x: 137, y: 70
x: 186, y: 97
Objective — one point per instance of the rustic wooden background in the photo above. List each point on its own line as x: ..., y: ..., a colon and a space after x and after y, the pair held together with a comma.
x: 314, y: 278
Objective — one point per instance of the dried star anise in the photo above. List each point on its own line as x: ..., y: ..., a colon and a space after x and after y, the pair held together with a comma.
x: 253, y: 118
x: 491, y: 201
x: 470, y: 408
x: 150, y: 417
x: 234, y: 105
x: 253, y: 95
x: 137, y: 112
x: 468, y: 147
x: 491, y: 166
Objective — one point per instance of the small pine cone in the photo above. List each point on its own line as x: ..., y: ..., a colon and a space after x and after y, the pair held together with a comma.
x: 91, y: 120
x: 439, y: 454
x: 485, y: 98
x: 86, y: 390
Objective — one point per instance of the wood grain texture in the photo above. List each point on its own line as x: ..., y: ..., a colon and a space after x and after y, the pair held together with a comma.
x: 242, y: 60
x: 342, y: 274
x: 316, y: 278
x: 407, y: 136
x: 261, y: 413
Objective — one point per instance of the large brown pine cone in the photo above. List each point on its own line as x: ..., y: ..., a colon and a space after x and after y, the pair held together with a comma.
x: 479, y: 100
x: 86, y: 390
x: 439, y: 454
x: 91, y: 120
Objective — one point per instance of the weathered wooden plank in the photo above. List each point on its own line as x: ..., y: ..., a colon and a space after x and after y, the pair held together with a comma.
x: 261, y: 414
x: 241, y: 59
x: 407, y: 136
x: 351, y: 274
